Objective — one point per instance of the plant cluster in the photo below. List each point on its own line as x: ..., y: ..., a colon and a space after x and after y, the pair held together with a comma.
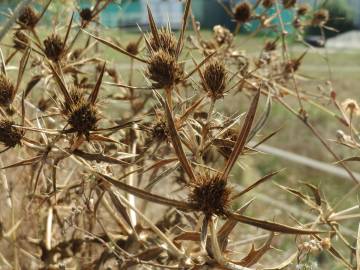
x: 86, y: 185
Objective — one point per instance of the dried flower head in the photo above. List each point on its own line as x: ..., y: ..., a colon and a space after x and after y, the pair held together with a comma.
x: 86, y: 14
x: 292, y: 66
x: 270, y: 45
x: 303, y: 9
x: 167, y: 41
x: 20, y: 40
x: 210, y: 194
x: 133, y: 48
x: 83, y: 117
x: 164, y: 69
x: 222, y: 35
x: 350, y: 106
x: 28, y: 17
x: 215, y: 78
x: 54, y: 47
x: 77, y: 95
x: 268, y: 3
x: 10, y: 136
x: 7, y: 91
x: 159, y: 131
x: 242, y: 12
x: 320, y: 17
x: 288, y: 3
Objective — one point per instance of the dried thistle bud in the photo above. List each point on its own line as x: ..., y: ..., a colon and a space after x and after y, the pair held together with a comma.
x: 86, y: 14
x: 268, y: 3
x: 320, y: 17
x: 303, y: 9
x: 242, y: 12
x: 288, y: 3
x: 20, y: 40
x: 270, y: 45
x: 222, y: 35
x: 10, y: 136
x: 164, y: 70
x: 167, y: 42
x: 133, y: 48
x: 292, y: 66
x: 210, y: 194
x: 83, y: 117
x: 215, y: 78
x: 7, y: 91
x: 159, y: 131
x: 54, y: 47
x: 28, y: 17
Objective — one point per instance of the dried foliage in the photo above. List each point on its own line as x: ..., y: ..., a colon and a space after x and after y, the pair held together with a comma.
x: 103, y: 172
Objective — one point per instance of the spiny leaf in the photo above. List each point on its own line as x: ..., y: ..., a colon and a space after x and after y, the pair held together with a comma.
x: 270, y: 226
x: 183, y: 28
x: 242, y: 138
x: 95, y: 92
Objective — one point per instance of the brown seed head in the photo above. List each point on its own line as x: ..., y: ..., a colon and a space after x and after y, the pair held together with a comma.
x: 10, y: 136
x: 242, y: 12
x: 288, y: 3
x: 167, y: 42
x: 164, y: 69
x: 86, y: 14
x: 83, y: 117
x: 215, y: 78
x: 159, y: 131
x: 270, y: 45
x: 320, y: 17
x: 7, y: 91
x: 268, y: 3
x: 28, y: 17
x: 20, y: 40
x: 292, y: 66
x: 54, y: 47
x: 132, y: 48
x: 77, y: 95
x: 210, y: 194
x: 303, y: 9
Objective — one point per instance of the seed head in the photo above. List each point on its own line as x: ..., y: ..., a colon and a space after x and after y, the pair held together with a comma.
x: 7, y: 91
x: 303, y: 9
x: 270, y: 46
x: 164, y: 69
x: 20, y: 40
x: 54, y: 47
x: 320, y: 17
x: 167, y: 42
x: 210, y: 194
x: 288, y: 3
x: 28, y: 17
x: 292, y: 66
x: 215, y: 78
x: 77, y: 97
x: 86, y: 14
x: 10, y: 136
x: 242, y: 12
x: 268, y: 3
x: 83, y: 117
x: 160, y: 131
x: 132, y: 48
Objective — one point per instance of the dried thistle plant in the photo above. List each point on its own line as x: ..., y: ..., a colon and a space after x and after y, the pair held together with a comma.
x: 146, y: 176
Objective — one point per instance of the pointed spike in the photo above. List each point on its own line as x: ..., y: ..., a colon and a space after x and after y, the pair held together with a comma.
x: 183, y: 28
x: 153, y: 27
x: 94, y: 94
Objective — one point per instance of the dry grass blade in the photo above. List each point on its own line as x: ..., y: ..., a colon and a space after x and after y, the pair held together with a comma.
x: 68, y: 31
x: 242, y: 138
x: 183, y: 28
x: 61, y: 84
x: 120, y: 207
x: 23, y: 62
x: 115, y: 47
x: 94, y: 94
x: 177, y: 142
x: 270, y: 226
x: 258, y: 182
